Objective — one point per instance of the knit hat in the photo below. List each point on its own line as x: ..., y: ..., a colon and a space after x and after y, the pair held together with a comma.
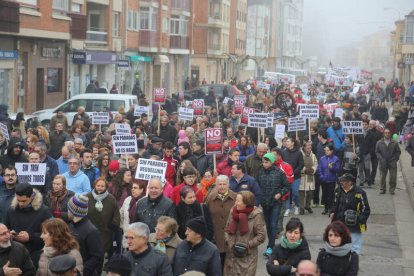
x: 198, y: 225
x: 113, y: 166
x: 347, y: 177
x: 62, y: 263
x: 270, y: 156
x: 78, y: 206
x: 119, y: 264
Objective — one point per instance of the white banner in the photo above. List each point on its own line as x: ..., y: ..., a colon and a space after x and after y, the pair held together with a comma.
x: 339, y: 112
x: 258, y: 120
x: 124, y: 144
x: 280, y: 131
x: 5, y: 131
x: 185, y: 114
x: 270, y: 118
x: 309, y: 111
x: 122, y: 129
x: 100, y: 118
x: 34, y: 174
x: 352, y: 127
x: 139, y: 110
x: 296, y: 124
x: 148, y: 169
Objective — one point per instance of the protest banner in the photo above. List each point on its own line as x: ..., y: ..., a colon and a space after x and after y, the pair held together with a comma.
x: 148, y: 169
x: 100, y: 118
x: 330, y: 108
x: 185, y: 114
x: 263, y: 85
x: 139, y: 110
x: 245, y: 115
x: 213, y: 141
x: 5, y: 131
x: 32, y: 173
x: 296, y: 124
x: 352, y: 127
x: 159, y: 95
x: 239, y: 102
x: 280, y: 131
x: 124, y: 144
x: 122, y: 129
x: 258, y: 120
x: 198, y: 107
x: 309, y: 111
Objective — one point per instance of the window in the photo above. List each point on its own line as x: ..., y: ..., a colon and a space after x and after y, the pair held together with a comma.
x: 28, y: 2
x: 165, y: 25
x: 115, y: 24
x: 72, y: 106
x: 54, y: 80
x: 179, y: 25
x: 76, y: 8
x: 60, y: 5
x: 132, y: 22
x: 148, y: 18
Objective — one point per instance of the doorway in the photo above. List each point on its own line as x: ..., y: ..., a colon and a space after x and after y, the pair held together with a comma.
x: 40, y: 88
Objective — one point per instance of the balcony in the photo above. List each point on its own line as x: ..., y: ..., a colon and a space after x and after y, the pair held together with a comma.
x: 78, y: 26
x: 97, y: 36
x: 180, y: 7
x: 215, y: 50
x: 148, y: 39
x: 9, y: 17
x: 216, y: 21
x: 178, y: 42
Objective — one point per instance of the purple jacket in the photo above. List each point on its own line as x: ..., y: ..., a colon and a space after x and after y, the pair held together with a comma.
x: 325, y: 173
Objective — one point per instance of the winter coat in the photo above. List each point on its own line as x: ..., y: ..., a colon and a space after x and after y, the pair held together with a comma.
x: 107, y: 221
x: 55, y: 120
x: 149, y: 210
x: 307, y: 181
x: 326, y: 174
x: 78, y: 183
x: 82, y: 117
x: 204, y: 162
x: 220, y: 211
x: 337, y: 137
x: 246, y: 183
x: 172, y: 166
x: 150, y: 151
x: 62, y: 211
x: 388, y: 156
x: 189, y: 156
x: 6, y: 197
x: 320, y: 149
x: 170, y: 245
x: 331, y: 265
x: 63, y: 165
x: 175, y: 193
x: 151, y: 262
x: 44, y: 262
x: 92, y: 172
x: 355, y: 199
x: 294, y: 157
x: 286, y: 168
x: 185, y: 212
x: 19, y: 257
x: 168, y: 133
x: 10, y: 159
x: 348, y: 161
x: 256, y: 236
x: 203, y: 257
x: 57, y: 141
x: 244, y: 152
x: 252, y: 164
x: 287, y: 258
x: 272, y: 181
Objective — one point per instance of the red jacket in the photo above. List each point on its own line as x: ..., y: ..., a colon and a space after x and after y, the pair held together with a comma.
x: 175, y: 193
x: 172, y: 165
x: 224, y: 168
x: 286, y: 168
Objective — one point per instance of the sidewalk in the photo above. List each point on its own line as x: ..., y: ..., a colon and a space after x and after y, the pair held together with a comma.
x: 407, y: 172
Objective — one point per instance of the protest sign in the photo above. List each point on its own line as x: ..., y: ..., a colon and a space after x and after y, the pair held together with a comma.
x: 339, y: 112
x: 245, y: 114
x: 32, y: 173
x: 309, y: 111
x: 124, y: 144
x: 258, y: 120
x: 159, y: 95
x: 100, y: 118
x: 352, y: 127
x: 263, y: 85
x: 296, y: 123
x: 239, y: 102
x: 5, y: 131
x: 185, y: 114
x: 226, y: 100
x: 139, y: 110
x: 280, y: 131
x: 330, y: 108
x: 198, y: 106
x: 213, y: 141
x: 270, y: 118
x: 148, y: 169
x: 122, y: 129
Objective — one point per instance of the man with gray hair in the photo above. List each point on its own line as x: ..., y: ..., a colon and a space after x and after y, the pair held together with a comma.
x: 167, y: 132
x: 76, y: 180
x: 145, y: 260
x: 254, y: 161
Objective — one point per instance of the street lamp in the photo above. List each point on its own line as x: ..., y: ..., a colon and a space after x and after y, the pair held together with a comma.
x: 393, y: 9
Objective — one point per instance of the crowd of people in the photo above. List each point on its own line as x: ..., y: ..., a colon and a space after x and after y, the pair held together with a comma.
x: 211, y: 213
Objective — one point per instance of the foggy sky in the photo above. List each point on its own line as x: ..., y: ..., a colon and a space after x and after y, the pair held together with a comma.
x: 332, y: 23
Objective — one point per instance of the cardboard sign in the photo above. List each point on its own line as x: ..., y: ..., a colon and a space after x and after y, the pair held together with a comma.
x: 122, y: 129
x: 263, y: 85
x: 296, y: 124
x: 352, y: 127
x: 270, y: 118
x: 34, y: 174
x: 198, y: 106
x: 159, y: 95
x: 280, y: 131
x: 100, y: 118
x: 139, y: 110
x: 213, y: 141
x: 5, y: 131
x: 309, y: 111
x: 124, y: 144
x: 258, y: 120
x: 339, y: 112
x: 226, y: 100
x: 239, y: 102
x: 148, y: 169
x: 330, y: 108
x: 245, y: 115
x: 185, y: 114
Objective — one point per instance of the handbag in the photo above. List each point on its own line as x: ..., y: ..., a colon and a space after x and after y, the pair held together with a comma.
x: 240, y: 250
x: 351, y: 217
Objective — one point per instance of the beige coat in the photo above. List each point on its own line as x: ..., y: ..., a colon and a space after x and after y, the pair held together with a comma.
x: 256, y: 236
x: 219, y: 211
x: 45, y: 260
x: 171, y: 245
x: 308, y: 183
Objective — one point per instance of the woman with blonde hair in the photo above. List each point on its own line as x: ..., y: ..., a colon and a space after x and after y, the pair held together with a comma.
x: 44, y: 135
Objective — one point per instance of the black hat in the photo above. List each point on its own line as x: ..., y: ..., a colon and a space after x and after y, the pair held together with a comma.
x: 119, y: 264
x: 24, y: 189
x: 157, y: 139
x: 336, y: 119
x: 62, y: 263
x: 198, y: 225
x: 347, y: 177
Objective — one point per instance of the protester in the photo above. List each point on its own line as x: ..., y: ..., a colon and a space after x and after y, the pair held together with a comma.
x: 76, y: 180
x: 307, y: 183
x: 7, y: 191
x: 57, y: 199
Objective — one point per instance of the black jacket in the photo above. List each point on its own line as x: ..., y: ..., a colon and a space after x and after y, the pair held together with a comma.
x: 168, y: 133
x: 10, y: 159
x: 57, y: 141
x: 287, y: 258
x: 91, y: 246
x: 19, y: 257
x: 331, y: 265
x: 149, y: 263
x: 185, y: 212
x: 151, y: 151
x: 294, y: 157
x: 204, y: 162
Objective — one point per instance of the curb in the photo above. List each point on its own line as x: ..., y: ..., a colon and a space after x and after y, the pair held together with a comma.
x: 408, y: 186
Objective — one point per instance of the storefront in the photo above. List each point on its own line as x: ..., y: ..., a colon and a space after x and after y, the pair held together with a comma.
x: 139, y: 73
x: 8, y: 61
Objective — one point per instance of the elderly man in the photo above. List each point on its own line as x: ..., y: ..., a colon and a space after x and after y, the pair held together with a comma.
x: 145, y: 260
x: 166, y: 131
x: 58, y: 137
x: 308, y: 268
x: 82, y: 116
x: 14, y: 257
x: 150, y: 208
x: 76, y: 180
x: 254, y: 161
x: 62, y: 162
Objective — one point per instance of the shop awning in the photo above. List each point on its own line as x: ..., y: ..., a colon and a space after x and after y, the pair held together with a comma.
x: 138, y: 58
x: 161, y: 59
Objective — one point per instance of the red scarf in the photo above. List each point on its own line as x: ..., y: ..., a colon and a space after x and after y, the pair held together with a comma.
x: 240, y: 219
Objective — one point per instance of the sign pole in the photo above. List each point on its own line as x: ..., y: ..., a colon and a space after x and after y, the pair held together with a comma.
x: 159, y: 119
x: 309, y: 120
x: 258, y: 135
x: 297, y: 135
x: 218, y: 113
x: 215, y: 163
x: 353, y: 142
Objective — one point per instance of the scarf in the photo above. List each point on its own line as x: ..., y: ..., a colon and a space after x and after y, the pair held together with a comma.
x: 240, y: 220
x: 338, y: 251
x: 286, y: 244
x: 222, y: 197
x: 206, y: 186
x: 99, y: 198
x: 162, y: 245
x: 56, y: 198
x: 49, y: 251
x: 132, y: 206
x: 307, y: 158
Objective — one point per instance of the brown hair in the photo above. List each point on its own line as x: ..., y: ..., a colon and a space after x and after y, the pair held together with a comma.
x: 62, y: 238
x: 248, y: 198
x: 101, y: 179
x: 338, y: 227
x: 62, y: 178
x: 171, y: 224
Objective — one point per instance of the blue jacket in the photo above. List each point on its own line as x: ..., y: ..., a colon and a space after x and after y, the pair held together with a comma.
x: 6, y: 197
x: 244, y: 153
x: 63, y: 165
x: 92, y: 172
x: 78, y: 183
x: 337, y: 137
x: 51, y: 166
x: 247, y: 183
x: 326, y: 174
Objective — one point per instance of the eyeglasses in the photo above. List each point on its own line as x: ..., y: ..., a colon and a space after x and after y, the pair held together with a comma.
x: 73, y: 163
x: 190, y: 176
x: 10, y: 175
x: 159, y: 230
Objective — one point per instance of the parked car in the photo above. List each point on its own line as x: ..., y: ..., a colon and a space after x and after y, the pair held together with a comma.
x: 220, y: 90
x: 93, y: 102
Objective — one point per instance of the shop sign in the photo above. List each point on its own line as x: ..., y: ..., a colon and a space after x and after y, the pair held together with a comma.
x: 409, y: 60
x: 51, y: 52
x: 123, y: 63
x: 9, y: 55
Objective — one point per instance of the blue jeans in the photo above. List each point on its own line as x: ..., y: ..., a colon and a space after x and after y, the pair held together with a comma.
x: 294, y: 193
x: 271, y: 216
x: 356, y: 242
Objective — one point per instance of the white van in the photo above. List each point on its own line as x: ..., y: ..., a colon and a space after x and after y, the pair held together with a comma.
x: 93, y: 102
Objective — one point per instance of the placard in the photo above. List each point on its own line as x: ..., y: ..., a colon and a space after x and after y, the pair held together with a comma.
x: 245, y: 115
x: 280, y: 131
x: 352, y: 127
x: 213, y: 141
x: 198, y: 106
x: 139, y: 110
x: 309, y: 111
x: 159, y: 95
x: 148, y: 169
x: 5, y: 131
x: 124, y: 144
x: 32, y: 173
x: 296, y: 124
x: 100, y: 118
x: 122, y: 129
x: 339, y: 112
x: 258, y: 120
x: 239, y: 102
x: 185, y: 114
x: 270, y: 118
x: 226, y: 100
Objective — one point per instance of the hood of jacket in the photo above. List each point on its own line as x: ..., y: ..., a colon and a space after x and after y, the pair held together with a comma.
x: 3, y: 109
x: 36, y: 202
x: 14, y: 143
x: 68, y: 174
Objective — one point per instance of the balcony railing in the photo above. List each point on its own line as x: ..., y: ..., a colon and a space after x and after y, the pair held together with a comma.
x: 183, y: 5
x: 178, y: 42
x: 97, y: 35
